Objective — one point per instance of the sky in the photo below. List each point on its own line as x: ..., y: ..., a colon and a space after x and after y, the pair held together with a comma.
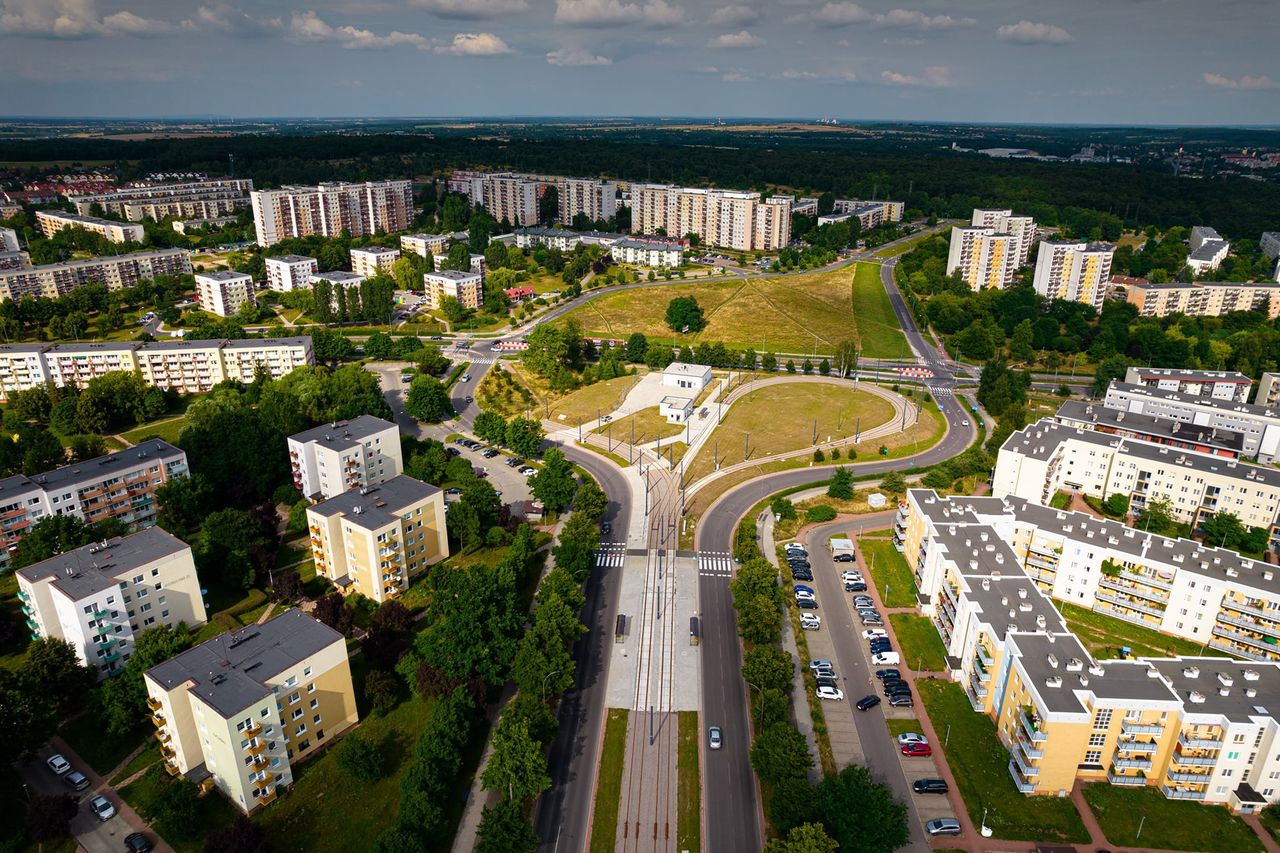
x: 1037, y: 61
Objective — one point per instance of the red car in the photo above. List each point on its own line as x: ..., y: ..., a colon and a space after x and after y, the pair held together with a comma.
x: 917, y: 749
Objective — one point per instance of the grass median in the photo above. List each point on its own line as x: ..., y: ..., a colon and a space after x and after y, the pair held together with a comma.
x: 1166, y: 824
x: 919, y: 643
x: 689, y: 791
x: 889, y: 571
x: 608, y: 799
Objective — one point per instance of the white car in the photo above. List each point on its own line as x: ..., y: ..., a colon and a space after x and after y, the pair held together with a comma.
x: 874, y: 634
x: 886, y: 659
x: 805, y: 595
x: 820, y: 664
x: 851, y: 575
x: 58, y: 764
x: 528, y: 472
x: 911, y: 737
x: 810, y: 622
x: 830, y: 693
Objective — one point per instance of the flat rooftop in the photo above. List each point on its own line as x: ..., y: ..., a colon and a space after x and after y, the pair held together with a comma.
x: 291, y: 259
x: 454, y: 275
x: 224, y: 275
x: 344, y: 433
x: 1191, y: 400
x: 1078, y: 412
x: 1221, y: 686
x: 153, y: 450
x: 1191, y: 375
x: 377, y: 506
x: 98, y: 566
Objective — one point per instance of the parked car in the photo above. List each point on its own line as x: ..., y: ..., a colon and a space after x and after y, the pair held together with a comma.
x: 795, y: 546
x: 863, y: 601
x: 866, y: 703
x: 911, y: 737
x: 879, y: 646
x: 806, y: 604
x: 466, y: 377
x: 514, y: 462
x: 136, y: 842
x: 490, y: 453
x: 874, y: 633
x: 452, y: 451
x: 917, y: 750
x: 805, y: 595
x: 856, y: 586
x: 882, y: 674
x: 818, y: 664
x: 901, y: 702
x: 799, y: 588
x: 943, y: 826
x: 845, y: 558
x: 801, y: 575
x: 930, y: 786
x: 825, y: 672
x: 101, y: 807
x: 58, y: 764
x: 76, y: 780
x: 810, y: 622
x: 713, y: 737
x: 528, y: 472
x: 834, y: 693
x: 872, y: 619
x: 886, y: 659
x: 827, y: 681
x: 851, y: 575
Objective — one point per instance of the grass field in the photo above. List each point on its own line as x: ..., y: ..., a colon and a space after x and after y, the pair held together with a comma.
x: 780, y: 418
x: 902, y: 726
x: 981, y: 768
x: 796, y: 314
x: 586, y: 403
x: 919, y: 643
x: 95, y: 745
x: 1166, y: 824
x: 649, y: 426
x: 1104, y: 635
x: 903, y: 247
x: 214, y: 812
x: 689, y: 792
x: 604, y: 816
x: 141, y: 761
x: 168, y: 430
x: 887, y: 567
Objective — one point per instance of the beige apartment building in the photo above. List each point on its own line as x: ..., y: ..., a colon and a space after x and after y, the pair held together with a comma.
x: 1074, y: 271
x: 327, y: 209
x: 1064, y: 716
x: 188, y: 200
x: 596, y: 199
x: 1205, y: 298
x: 244, y: 708
x: 374, y: 540
x: 724, y: 218
x: 224, y: 292
x: 466, y: 287
x: 334, y: 458
x: 983, y: 257
x: 100, y: 597
x: 373, y: 260
x: 287, y: 273
x: 51, y: 222
x: 425, y: 245
x: 513, y: 198
x: 49, y: 281
x: 1021, y: 228
x: 1259, y: 425
x: 243, y: 361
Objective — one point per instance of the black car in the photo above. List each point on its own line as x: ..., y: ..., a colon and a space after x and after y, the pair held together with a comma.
x: 930, y: 786
x: 801, y: 575
x: 606, y: 528
x: 453, y: 451
x: 136, y: 842
x: 898, y: 690
x: 845, y: 558
x: 866, y: 703
x: 827, y: 681
x: 856, y: 586
x: 882, y: 674
x: 806, y: 604
x: 878, y: 646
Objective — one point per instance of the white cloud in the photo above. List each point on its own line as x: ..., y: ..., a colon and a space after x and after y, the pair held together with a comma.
x: 1246, y: 83
x: 733, y: 16
x: 933, y: 77
x: 477, y: 44
x: 1029, y: 32
x: 227, y: 19
x: 308, y: 26
x: 820, y: 76
x: 842, y: 14
x: 736, y: 40
x: 735, y: 77
x: 707, y: 69
x: 471, y: 9
x: 604, y: 13
x: 72, y: 19
x: 568, y: 58
x: 905, y: 19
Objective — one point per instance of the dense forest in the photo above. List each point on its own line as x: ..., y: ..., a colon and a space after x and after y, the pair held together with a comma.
x: 938, y: 184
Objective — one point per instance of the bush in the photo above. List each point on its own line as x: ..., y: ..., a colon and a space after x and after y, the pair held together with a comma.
x: 381, y: 690
x: 361, y: 758
x: 1116, y: 504
x: 818, y: 456
x: 821, y: 512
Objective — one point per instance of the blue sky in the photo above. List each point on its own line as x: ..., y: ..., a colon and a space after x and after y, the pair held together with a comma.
x: 1082, y: 61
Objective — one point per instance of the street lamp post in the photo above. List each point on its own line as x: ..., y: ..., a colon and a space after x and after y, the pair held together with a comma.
x: 545, y: 679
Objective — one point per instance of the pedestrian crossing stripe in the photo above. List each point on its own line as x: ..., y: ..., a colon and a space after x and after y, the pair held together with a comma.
x: 611, y: 555
x: 940, y: 392
x: 717, y: 564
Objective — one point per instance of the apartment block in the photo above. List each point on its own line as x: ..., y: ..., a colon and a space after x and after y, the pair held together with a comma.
x: 100, y: 597
x: 1218, y: 384
x: 339, y: 280
x: 983, y: 257
x: 513, y: 198
x: 190, y: 226
x: 870, y: 214
x: 425, y: 245
x: 1076, y: 272
x: 244, y: 360
x: 328, y: 209
x: 1270, y: 244
x: 647, y: 253
x: 593, y: 198
x: 374, y: 540
x: 51, y: 222
x: 466, y: 287
x: 120, y: 485
x: 1268, y: 390
x: 14, y: 260
x: 49, y: 281
x: 9, y: 240
x: 1259, y: 425
x: 724, y: 218
x: 335, y: 458
x: 287, y: 273
x: 373, y: 260
x: 247, y: 706
x: 188, y: 200
x: 22, y: 366
x: 1021, y: 228
x: 188, y: 367
x: 224, y: 292
x: 552, y: 238
x: 1208, y: 256
x: 1205, y: 298
x: 1198, y: 439
x: 986, y: 568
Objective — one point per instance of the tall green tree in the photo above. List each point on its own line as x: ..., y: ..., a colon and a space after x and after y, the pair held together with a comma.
x: 555, y: 483
x: 428, y: 400
x: 684, y: 315
x: 517, y: 764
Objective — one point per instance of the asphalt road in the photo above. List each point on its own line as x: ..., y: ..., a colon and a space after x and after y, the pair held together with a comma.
x: 92, y: 835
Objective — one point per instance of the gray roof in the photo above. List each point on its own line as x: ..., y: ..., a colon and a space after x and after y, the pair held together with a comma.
x: 375, y: 250
x: 376, y: 506
x: 291, y: 259
x: 97, y: 346
x: 1009, y: 602
x: 1192, y: 375
x: 92, y: 470
x: 24, y: 347
x: 1207, y: 250
x: 229, y: 672
x: 256, y: 343
x: 649, y: 245
x: 98, y: 566
x: 1080, y: 413
x: 1237, y: 706
x: 454, y: 275
x: 17, y: 486
x: 344, y: 433
x: 223, y: 275
x: 1047, y: 656
x: 337, y: 276
x: 93, y: 262
x: 1193, y: 400
x: 180, y: 344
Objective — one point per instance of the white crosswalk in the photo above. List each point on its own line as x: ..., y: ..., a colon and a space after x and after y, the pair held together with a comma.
x: 611, y: 554
x: 484, y: 359
x: 717, y: 564
x: 939, y: 392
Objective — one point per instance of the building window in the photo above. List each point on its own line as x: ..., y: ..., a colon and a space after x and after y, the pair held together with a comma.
x: 302, y: 727
x: 297, y: 712
x: 315, y: 703
x: 1102, y: 720
x: 1093, y: 756
x: 311, y: 688
x: 306, y: 673
x: 1097, y: 739
x: 296, y: 697
x: 316, y: 718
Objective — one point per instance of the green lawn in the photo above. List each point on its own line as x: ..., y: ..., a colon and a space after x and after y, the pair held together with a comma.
x: 1060, y: 500
x: 586, y: 403
x: 689, y: 794
x: 1167, y: 824
x: 981, y: 768
x: 646, y: 425
x: 903, y: 247
x: 879, y: 334
x: 888, y: 568
x: 214, y: 811
x: 13, y: 652
x: 167, y: 429
x: 608, y: 800
x: 1271, y: 821
x: 902, y: 726
x: 141, y: 761
x: 1104, y: 635
x: 103, y: 750
x: 919, y: 643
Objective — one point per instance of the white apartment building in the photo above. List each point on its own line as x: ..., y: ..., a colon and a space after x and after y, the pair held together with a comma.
x: 1269, y: 245
x: 466, y: 287
x: 1074, y: 271
x: 49, y: 281
x: 647, y: 253
x: 51, y: 222
x: 287, y: 273
x: 375, y: 540
x: 425, y: 245
x: 1205, y: 298
x: 1208, y: 257
x: 100, y: 597
x: 1268, y: 390
x: 1201, y: 234
x: 1022, y: 228
x: 724, y: 218
x: 189, y: 200
x: 244, y: 360
x: 189, y: 226
x: 1259, y: 425
x: 373, y: 260
x: 1218, y: 384
x: 339, y: 280
x: 188, y: 367
x: 223, y: 292
x: 889, y: 211
x: 334, y: 458
x: 597, y: 199
x: 513, y: 198
x: 327, y: 209
x: 983, y: 257
x: 9, y: 240
x: 246, y: 706
x: 552, y: 238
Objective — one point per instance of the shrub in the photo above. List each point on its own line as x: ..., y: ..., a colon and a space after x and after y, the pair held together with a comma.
x: 361, y: 757
x: 821, y: 512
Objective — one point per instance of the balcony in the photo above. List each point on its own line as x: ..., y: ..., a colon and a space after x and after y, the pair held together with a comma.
x: 167, y: 751
x: 1133, y: 781
x: 162, y: 736
x: 253, y: 731
x: 101, y: 614
x: 1023, y: 785
x: 267, y: 778
x: 106, y: 644
x: 1182, y: 793
x: 1132, y: 763
x: 1141, y: 728
x: 259, y: 762
x: 1142, y: 746
x: 1149, y: 580
x: 1031, y: 728
x: 1266, y: 644
x: 391, y: 592
x: 1194, y: 760
x: 157, y: 719
x: 1128, y: 604
x: 1024, y: 764
x: 987, y: 659
x: 1272, y: 629
x: 268, y: 797
x: 24, y: 596
x: 1224, y: 646
x: 1193, y: 778
x: 1028, y: 748
x: 153, y: 703
x: 975, y: 684
x: 111, y: 658
x: 1194, y: 742
x: 256, y: 748
x: 172, y: 769
x: 1241, y: 607
x: 1132, y: 589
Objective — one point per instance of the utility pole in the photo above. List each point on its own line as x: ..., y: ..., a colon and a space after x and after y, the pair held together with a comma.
x: 746, y: 449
